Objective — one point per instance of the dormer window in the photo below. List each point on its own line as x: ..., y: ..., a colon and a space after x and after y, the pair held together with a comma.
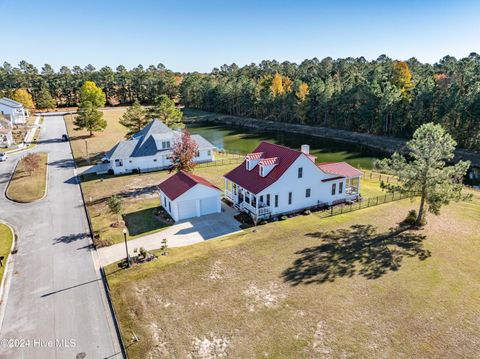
x: 266, y: 165
x: 165, y: 145
x: 252, y: 159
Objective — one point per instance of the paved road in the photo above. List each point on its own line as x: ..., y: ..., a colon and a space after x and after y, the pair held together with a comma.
x: 184, y: 233
x: 56, y: 293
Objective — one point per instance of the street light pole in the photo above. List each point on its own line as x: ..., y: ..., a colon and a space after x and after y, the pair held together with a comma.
x: 126, y: 247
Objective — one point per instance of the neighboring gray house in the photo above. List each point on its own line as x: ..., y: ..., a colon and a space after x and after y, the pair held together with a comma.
x: 149, y: 150
x: 6, y: 137
x: 13, y: 111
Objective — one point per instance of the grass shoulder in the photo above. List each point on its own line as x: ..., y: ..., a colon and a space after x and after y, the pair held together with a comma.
x: 6, y: 239
x: 29, y: 180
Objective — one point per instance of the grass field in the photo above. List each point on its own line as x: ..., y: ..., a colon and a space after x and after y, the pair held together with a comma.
x: 100, y: 142
x: 6, y: 239
x: 25, y: 187
x: 352, y: 286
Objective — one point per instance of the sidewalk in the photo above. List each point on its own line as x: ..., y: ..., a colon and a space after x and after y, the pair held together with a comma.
x: 194, y: 230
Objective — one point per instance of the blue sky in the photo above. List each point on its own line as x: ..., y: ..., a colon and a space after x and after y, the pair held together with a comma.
x: 199, y: 35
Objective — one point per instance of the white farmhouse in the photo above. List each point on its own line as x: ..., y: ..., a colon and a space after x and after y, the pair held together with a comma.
x: 149, y: 150
x: 13, y: 111
x: 185, y: 195
x: 275, y: 180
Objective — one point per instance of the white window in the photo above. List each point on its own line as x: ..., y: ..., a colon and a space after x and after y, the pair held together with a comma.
x: 307, y: 192
x: 118, y: 163
x: 197, y: 154
x: 300, y: 172
x: 334, y: 189
x: 340, y: 187
x: 209, y: 153
x: 165, y: 144
x: 289, y: 197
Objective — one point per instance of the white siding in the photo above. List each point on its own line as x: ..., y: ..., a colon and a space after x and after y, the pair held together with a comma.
x: 320, y: 192
x: 189, y: 204
x: 156, y: 162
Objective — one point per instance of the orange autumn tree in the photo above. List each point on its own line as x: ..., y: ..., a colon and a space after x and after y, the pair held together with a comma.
x: 184, y: 151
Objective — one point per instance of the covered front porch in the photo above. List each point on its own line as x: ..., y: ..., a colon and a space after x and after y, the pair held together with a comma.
x: 258, y: 206
x: 352, y: 188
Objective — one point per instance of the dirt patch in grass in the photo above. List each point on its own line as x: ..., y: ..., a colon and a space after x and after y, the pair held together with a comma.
x: 383, y: 295
x: 26, y: 185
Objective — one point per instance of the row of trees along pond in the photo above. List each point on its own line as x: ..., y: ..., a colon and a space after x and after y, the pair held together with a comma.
x: 382, y: 96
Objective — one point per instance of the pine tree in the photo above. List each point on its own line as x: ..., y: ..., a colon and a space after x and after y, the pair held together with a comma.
x: 44, y: 99
x: 427, y: 173
x: 165, y: 110
x: 90, y: 119
x: 135, y: 118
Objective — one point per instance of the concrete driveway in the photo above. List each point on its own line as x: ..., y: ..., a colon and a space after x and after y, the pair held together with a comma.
x: 184, y: 233
x: 55, y: 304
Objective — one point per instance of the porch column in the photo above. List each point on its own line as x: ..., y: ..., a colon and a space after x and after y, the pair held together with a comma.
x: 226, y: 187
x: 358, y: 185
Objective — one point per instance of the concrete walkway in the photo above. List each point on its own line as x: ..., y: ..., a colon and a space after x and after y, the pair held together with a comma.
x: 184, y: 233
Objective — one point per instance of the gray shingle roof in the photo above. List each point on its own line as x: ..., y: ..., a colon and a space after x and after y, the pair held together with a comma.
x: 10, y: 103
x: 147, y: 142
x: 202, y: 143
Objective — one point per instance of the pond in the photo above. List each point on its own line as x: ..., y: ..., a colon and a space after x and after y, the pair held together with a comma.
x: 244, y: 140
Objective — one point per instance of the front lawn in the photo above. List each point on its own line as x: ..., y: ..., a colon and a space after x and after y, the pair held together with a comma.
x: 140, y: 192
x: 6, y: 238
x: 28, y: 186
x: 353, y: 285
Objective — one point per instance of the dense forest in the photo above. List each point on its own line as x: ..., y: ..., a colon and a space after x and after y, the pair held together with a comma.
x: 121, y: 86
x: 383, y: 96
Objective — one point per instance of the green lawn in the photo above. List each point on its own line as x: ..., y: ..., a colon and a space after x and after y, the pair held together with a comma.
x: 140, y: 193
x: 25, y: 187
x: 6, y: 239
x: 352, y: 285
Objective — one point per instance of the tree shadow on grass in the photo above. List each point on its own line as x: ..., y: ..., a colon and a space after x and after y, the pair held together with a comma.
x: 358, y: 250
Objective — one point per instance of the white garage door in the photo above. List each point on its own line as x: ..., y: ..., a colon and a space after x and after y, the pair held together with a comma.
x: 187, y: 209
x: 208, y: 205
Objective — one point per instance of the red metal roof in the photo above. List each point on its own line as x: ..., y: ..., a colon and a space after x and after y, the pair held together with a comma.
x: 251, y: 180
x: 269, y: 161
x: 340, y: 169
x: 254, y: 156
x: 176, y: 185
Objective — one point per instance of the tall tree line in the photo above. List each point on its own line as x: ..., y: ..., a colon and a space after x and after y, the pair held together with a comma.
x: 383, y: 97
x: 121, y: 86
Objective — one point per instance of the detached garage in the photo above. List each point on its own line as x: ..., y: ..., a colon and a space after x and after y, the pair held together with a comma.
x: 185, y: 195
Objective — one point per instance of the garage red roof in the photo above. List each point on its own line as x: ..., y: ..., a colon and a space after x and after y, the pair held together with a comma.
x: 251, y: 180
x: 176, y: 185
x: 340, y: 169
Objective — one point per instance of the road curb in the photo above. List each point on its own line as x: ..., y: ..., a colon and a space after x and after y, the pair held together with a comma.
x: 96, y: 262
x: 11, y: 177
x: 7, y: 274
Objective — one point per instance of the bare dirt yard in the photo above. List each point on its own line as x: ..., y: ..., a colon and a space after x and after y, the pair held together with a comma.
x: 354, y: 286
